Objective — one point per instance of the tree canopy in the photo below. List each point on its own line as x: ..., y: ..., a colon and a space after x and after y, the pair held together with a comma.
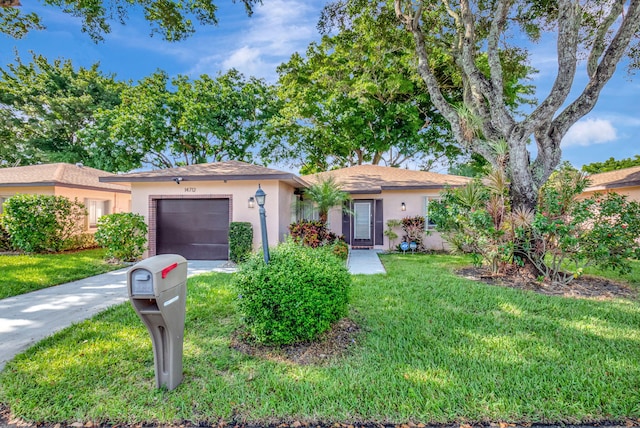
x: 611, y: 164
x: 45, y: 105
x: 356, y: 98
x: 173, y: 20
x: 169, y: 122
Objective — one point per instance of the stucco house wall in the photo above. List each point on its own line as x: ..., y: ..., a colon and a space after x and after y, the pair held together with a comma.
x: 75, y: 182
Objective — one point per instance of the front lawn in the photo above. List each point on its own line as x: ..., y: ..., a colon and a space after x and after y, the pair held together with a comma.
x: 24, y: 273
x: 433, y: 348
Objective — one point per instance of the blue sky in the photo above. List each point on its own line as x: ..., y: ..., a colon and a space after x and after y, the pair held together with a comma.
x: 278, y: 28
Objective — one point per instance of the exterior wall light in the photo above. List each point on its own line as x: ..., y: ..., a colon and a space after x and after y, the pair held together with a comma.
x: 252, y: 201
x: 403, y: 206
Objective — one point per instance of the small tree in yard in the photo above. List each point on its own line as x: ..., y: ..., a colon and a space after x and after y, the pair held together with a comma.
x: 326, y: 194
x: 42, y: 223
x: 124, y: 235
x: 560, y: 239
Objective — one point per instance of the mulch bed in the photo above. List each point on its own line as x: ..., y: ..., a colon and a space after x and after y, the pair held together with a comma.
x: 582, y: 287
x: 333, y: 343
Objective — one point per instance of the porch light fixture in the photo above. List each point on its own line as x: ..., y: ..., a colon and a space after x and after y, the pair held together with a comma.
x: 252, y: 201
x: 177, y: 180
x: 403, y: 206
x: 260, y: 199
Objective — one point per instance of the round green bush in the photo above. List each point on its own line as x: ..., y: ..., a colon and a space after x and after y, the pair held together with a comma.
x: 294, y: 298
x: 124, y: 235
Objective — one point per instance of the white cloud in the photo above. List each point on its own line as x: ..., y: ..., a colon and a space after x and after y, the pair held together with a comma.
x: 247, y: 60
x: 277, y: 29
x: 590, y: 131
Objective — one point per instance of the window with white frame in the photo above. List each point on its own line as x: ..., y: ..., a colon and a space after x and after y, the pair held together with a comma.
x: 2, y: 199
x: 306, y: 210
x: 97, y: 209
x: 428, y: 223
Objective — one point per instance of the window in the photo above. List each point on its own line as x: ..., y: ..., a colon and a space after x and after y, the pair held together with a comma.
x: 2, y: 199
x: 429, y: 224
x: 305, y: 210
x: 96, y: 210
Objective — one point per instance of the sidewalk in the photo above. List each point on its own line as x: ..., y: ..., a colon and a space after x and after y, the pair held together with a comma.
x: 365, y: 262
x: 29, y: 318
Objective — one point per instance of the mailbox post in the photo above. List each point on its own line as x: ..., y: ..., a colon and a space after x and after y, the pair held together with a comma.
x: 157, y: 291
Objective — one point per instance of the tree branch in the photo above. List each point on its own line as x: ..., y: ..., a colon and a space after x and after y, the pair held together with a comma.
x: 599, y: 42
x: 568, y: 30
x: 585, y: 102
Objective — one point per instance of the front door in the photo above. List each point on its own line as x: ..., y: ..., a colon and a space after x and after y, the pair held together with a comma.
x: 362, y: 223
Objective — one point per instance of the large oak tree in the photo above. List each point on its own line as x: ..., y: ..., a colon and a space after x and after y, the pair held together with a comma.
x: 600, y: 31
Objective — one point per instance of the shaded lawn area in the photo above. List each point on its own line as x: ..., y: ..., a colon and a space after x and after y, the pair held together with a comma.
x: 433, y: 348
x: 24, y: 273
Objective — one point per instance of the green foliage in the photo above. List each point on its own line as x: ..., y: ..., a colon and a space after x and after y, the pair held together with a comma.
x: 414, y: 231
x: 173, y: 20
x: 611, y: 165
x: 42, y: 223
x: 340, y: 249
x: 390, y: 233
x: 45, y: 105
x: 124, y: 235
x: 296, y: 296
x: 356, y: 98
x: 240, y: 241
x: 169, y: 122
x: 312, y: 233
x: 5, y: 239
x: 82, y: 241
x: 602, y: 230
x: 326, y: 194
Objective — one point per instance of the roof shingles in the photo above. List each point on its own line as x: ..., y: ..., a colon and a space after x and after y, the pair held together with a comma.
x: 375, y: 178
x: 57, y: 174
x: 626, y: 177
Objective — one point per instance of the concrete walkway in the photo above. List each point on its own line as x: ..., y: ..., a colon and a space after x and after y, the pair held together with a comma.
x: 29, y: 318
x: 365, y: 262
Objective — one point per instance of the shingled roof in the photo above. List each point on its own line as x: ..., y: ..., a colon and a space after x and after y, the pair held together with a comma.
x: 375, y: 178
x: 58, y: 174
x: 218, y: 171
x: 626, y: 177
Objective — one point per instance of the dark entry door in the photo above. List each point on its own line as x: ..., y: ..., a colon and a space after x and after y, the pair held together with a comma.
x: 197, y: 229
x: 362, y: 223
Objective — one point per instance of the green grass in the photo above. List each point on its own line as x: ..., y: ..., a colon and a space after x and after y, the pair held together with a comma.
x: 433, y: 348
x: 24, y: 273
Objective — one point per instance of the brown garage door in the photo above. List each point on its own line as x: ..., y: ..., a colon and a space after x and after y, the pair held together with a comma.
x: 197, y: 229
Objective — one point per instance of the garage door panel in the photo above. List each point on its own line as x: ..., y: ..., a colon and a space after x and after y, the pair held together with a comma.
x: 197, y: 229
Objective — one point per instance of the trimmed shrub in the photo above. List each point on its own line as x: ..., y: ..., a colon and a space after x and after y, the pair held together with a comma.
x: 42, y: 223
x: 295, y: 297
x: 240, y: 241
x: 82, y: 241
x: 5, y: 239
x: 124, y: 235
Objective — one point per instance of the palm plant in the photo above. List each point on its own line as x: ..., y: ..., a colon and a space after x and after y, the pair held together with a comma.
x: 326, y: 194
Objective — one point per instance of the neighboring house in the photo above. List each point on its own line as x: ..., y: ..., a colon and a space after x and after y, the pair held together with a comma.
x: 623, y: 181
x: 188, y: 209
x: 72, y: 181
x: 380, y: 194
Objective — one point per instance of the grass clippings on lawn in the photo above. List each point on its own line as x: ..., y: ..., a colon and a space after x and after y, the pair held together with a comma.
x: 433, y: 348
